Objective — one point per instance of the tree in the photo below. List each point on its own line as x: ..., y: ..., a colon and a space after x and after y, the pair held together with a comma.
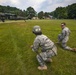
x: 60, y: 13
x: 30, y: 13
x: 46, y: 14
x: 72, y: 11
x: 41, y: 15
x: 12, y: 10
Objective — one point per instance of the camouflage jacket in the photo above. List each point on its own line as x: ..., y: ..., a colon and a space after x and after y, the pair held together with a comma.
x: 42, y: 41
x: 65, y: 32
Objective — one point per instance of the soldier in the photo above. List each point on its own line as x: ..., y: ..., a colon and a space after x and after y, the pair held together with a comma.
x: 48, y: 49
x: 64, y: 37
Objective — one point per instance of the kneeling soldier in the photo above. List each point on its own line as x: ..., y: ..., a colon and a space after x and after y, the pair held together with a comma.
x: 48, y: 49
x: 64, y: 37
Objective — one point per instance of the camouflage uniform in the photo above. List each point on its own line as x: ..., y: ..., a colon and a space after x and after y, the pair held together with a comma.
x: 48, y: 49
x: 64, y: 37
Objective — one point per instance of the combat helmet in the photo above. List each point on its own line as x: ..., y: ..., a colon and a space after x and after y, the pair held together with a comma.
x: 37, y: 30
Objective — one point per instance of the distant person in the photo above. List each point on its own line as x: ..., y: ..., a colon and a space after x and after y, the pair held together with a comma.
x: 48, y: 48
x: 64, y: 37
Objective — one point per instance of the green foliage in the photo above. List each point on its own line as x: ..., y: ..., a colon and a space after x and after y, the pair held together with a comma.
x: 12, y: 10
x: 60, y: 13
x: 41, y: 15
x: 30, y: 13
x: 72, y: 11
x: 16, y: 56
x: 65, y: 12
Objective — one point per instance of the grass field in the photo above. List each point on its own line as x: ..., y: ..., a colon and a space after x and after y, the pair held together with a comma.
x: 16, y: 56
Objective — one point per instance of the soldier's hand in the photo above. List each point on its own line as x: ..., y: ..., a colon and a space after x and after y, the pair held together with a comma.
x: 31, y: 46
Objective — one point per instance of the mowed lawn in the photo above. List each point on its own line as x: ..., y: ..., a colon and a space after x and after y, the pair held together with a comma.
x: 16, y: 56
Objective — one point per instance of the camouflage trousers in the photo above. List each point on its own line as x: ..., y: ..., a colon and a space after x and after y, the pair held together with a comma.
x: 64, y: 42
x: 66, y: 47
x: 45, y: 55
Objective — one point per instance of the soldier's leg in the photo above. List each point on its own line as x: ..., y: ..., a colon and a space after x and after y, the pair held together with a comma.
x: 66, y: 47
x: 59, y: 38
x: 46, y: 55
x: 51, y: 53
x: 41, y: 59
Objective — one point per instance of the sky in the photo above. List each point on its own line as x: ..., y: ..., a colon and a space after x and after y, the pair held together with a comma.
x: 38, y: 5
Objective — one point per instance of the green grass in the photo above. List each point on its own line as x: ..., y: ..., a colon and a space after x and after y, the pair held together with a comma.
x: 16, y: 56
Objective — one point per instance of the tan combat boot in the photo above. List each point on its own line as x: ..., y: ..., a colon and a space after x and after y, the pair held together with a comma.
x: 42, y: 67
x: 74, y: 49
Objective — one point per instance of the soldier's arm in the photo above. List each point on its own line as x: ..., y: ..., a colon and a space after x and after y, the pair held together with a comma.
x: 36, y: 44
x: 69, y: 32
x: 63, y: 34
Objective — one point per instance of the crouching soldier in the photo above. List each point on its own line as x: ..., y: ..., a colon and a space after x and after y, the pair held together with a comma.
x: 48, y: 49
x: 64, y: 37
